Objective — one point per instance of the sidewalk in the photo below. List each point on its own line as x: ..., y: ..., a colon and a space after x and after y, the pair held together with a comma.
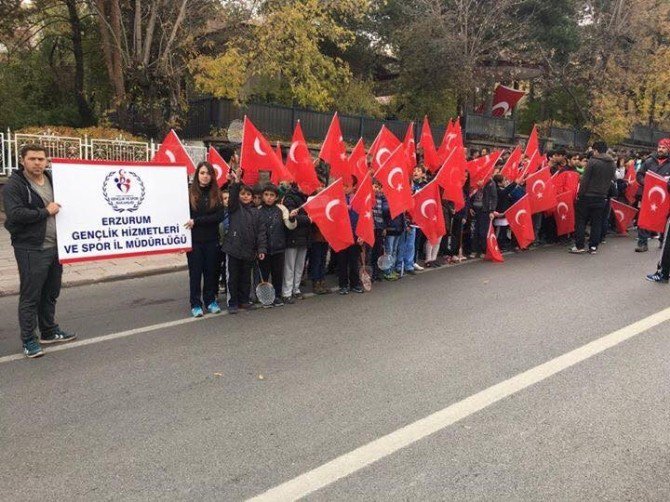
x: 88, y: 272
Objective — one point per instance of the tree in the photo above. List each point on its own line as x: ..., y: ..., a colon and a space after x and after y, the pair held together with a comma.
x: 147, y: 45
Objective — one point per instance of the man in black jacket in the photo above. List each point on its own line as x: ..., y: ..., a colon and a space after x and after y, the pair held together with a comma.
x: 31, y: 222
x: 592, y: 197
x: 658, y: 163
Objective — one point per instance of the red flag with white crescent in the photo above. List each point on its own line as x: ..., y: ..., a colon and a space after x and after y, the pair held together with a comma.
x: 256, y: 154
x: 492, y: 250
x: 504, y: 100
x: 430, y: 157
x: 300, y: 164
x: 655, y: 204
x: 533, y: 144
x: 358, y: 161
x: 427, y: 212
x: 451, y: 177
x: 334, y: 151
x: 328, y: 210
x: 564, y: 213
x: 520, y: 221
x: 410, y: 146
x: 362, y: 202
x: 541, y: 191
x: 172, y: 151
x: 221, y: 167
x: 395, y: 182
x: 511, y: 169
x: 381, y: 148
x: 280, y: 172
x: 623, y: 215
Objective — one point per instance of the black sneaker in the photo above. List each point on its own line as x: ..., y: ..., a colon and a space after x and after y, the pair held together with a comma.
x: 593, y: 250
x: 248, y: 306
x: 288, y: 300
x: 344, y: 291
x: 410, y: 272
x: 641, y: 248
x: 278, y: 302
x: 358, y: 289
x: 32, y: 349
x: 233, y: 309
x: 657, y: 277
x: 58, y: 336
x: 298, y: 296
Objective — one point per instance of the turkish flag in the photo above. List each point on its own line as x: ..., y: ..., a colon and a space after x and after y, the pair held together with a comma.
x: 504, y: 100
x: 633, y: 185
x: 518, y: 216
x: 430, y: 157
x: 382, y: 146
x: 533, y: 144
x: 623, y: 215
x: 328, y: 210
x: 564, y: 213
x: 655, y: 205
x: 448, y: 142
x: 511, y: 169
x: 481, y: 169
x: 492, y: 250
x: 280, y: 173
x: 410, y: 146
x: 533, y: 165
x: 256, y: 154
x: 362, y: 202
x: 358, y: 161
x: 172, y: 151
x: 541, y: 192
x: 395, y: 182
x: 427, y: 212
x: 334, y: 151
x: 451, y: 177
x: 299, y: 163
x: 221, y: 167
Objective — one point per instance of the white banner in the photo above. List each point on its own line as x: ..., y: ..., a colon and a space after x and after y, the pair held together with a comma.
x: 117, y: 209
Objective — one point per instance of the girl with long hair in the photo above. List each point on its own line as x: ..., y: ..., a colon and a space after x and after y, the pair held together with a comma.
x: 203, y: 259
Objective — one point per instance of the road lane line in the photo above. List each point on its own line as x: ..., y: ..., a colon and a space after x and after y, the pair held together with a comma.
x: 154, y: 327
x: 378, y: 449
x: 112, y: 336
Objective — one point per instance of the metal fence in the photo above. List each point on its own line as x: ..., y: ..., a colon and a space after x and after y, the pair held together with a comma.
x: 574, y: 138
x: 83, y: 148
x: 647, y: 135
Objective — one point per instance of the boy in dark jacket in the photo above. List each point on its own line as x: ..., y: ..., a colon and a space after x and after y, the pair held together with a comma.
x: 245, y: 241
x: 275, y: 219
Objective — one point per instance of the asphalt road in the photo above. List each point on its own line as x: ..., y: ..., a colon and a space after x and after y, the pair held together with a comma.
x: 231, y: 406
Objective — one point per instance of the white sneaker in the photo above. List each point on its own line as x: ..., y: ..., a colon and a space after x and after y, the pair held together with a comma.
x: 417, y: 267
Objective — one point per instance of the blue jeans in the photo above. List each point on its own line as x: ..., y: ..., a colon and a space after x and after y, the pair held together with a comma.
x: 391, y: 243
x: 317, y: 260
x: 405, y: 257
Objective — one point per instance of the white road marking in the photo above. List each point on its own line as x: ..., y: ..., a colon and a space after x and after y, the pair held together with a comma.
x: 153, y: 327
x: 367, y: 454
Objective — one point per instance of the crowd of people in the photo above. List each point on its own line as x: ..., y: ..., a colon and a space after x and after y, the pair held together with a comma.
x: 247, y: 235
x: 248, y: 239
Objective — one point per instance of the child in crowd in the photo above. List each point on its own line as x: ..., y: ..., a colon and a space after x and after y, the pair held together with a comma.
x: 245, y: 241
x: 206, y: 212
x: 297, y: 241
x: 348, y: 259
x: 275, y: 219
x: 223, y: 230
x: 381, y: 217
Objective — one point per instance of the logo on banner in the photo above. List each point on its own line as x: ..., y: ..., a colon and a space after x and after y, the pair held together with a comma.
x: 123, y: 190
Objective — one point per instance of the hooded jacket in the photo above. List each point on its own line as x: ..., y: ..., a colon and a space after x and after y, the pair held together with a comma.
x: 26, y: 214
x: 246, y: 237
x: 655, y: 165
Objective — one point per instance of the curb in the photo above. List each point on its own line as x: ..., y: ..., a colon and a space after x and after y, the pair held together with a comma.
x: 109, y: 278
